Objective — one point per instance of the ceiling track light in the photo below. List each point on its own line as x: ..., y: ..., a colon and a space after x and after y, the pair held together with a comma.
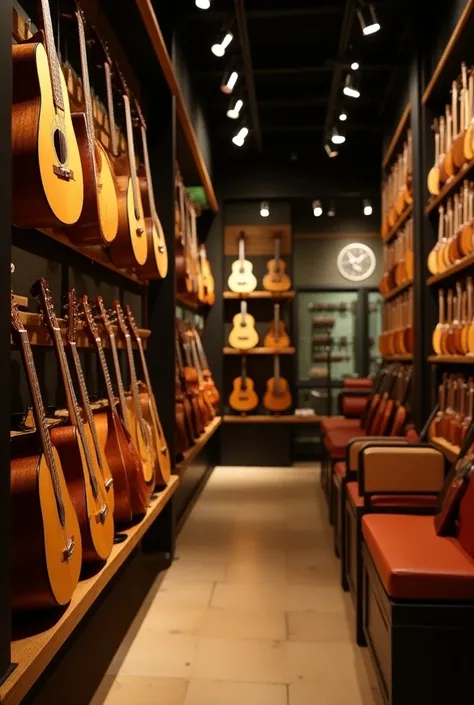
x: 337, y: 136
x: 343, y: 116
x: 367, y: 206
x: 332, y: 209
x: 264, y: 209
x: 229, y: 80
x: 317, y: 209
x: 203, y: 4
x: 223, y: 39
x: 368, y: 19
x: 355, y: 66
x: 330, y: 149
x: 351, y: 86
x: 239, y: 138
x: 235, y: 106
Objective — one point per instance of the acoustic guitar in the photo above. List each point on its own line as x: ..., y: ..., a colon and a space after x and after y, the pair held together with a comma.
x: 150, y: 409
x: 200, y: 408
x: 277, y: 398
x: 194, y: 420
x: 277, y: 337
x: 465, y: 235
x: 243, y: 397
x: 74, y: 443
x: 48, y: 188
x: 469, y: 411
x: 183, y: 439
x: 98, y: 223
x: 433, y: 262
x: 401, y: 407
x: 243, y: 335
x: 182, y: 239
x: 470, y: 316
x: 46, y: 540
x: 242, y: 280
x: 433, y: 174
x: 468, y: 137
x: 276, y: 280
x: 213, y: 392
x: 441, y: 327
x: 129, y: 484
x: 156, y: 265
x: 209, y: 285
x: 203, y: 387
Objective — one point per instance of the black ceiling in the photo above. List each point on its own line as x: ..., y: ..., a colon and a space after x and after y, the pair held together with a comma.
x: 295, y: 47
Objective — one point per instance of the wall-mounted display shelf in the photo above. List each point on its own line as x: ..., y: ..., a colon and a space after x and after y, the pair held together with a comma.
x: 194, y: 451
x: 260, y: 351
x: 282, y: 418
x: 453, y: 359
x: 449, y: 186
x: 32, y: 654
x: 260, y: 295
x: 398, y: 290
x: 393, y: 232
x: 458, y: 267
x: 398, y: 358
x: 396, y: 136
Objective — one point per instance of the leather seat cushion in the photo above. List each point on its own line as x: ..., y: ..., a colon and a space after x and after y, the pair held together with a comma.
x: 336, y: 441
x: 388, y: 500
x: 413, y: 562
x: 357, y: 383
x: 353, y: 407
x: 335, y: 423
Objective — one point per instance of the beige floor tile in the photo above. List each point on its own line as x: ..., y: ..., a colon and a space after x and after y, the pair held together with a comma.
x: 325, y: 663
x: 247, y: 597
x: 339, y: 693
x: 313, y: 597
x: 173, y: 619
x: 170, y: 655
x: 239, y: 660
x: 318, y: 626
x: 256, y: 571
x: 232, y: 624
x: 201, y: 692
x: 184, y: 571
x: 188, y: 594
x: 139, y: 690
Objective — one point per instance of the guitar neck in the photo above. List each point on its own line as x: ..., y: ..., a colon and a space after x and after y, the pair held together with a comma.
x: 277, y: 253
x: 276, y: 321
x: 241, y: 251
x: 53, y: 62
x: 86, y: 89
x: 111, y: 109
x: 243, y: 372
x: 243, y: 312
x: 131, y: 154
x: 201, y: 352
x: 118, y: 377
x: 146, y: 161
x: 106, y: 374
x: 196, y: 361
x: 276, y: 374
x: 134, y: 383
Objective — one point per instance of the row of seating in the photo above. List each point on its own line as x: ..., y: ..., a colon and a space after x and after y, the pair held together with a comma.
x: 404, y: 531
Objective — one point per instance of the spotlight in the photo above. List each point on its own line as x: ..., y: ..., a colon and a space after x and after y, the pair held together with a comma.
x: 235, y: 106
x: 351, y: 88
x: 343, y: 116
x: 317, y: 209
x: 332, y: 210
x: 331, y: 151
x: 203, y: 4
x: 367, y: 207
x: 337, y: 136
x: 264, y: 209
x: 355, y: 65
x: 222, y: 42
x: 239, y: 138
x: 229, y: 81
x: 368, y: 19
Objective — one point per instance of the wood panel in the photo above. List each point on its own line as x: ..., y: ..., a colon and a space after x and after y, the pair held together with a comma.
x: 259, y: 239
x: 261, y: 294
x: 260, y: 351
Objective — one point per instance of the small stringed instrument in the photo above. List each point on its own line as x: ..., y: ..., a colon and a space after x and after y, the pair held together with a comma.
x: 203, y: 388
x: 433, y: 257
x: 182, y: 438
x: 213, y: 392
x: 143, y: 469
x: 277, y: 397
x: 433, y: 175
x: 200, y: 407
x: 243, y: 335
x: 207, y: 277
x: 401, y: 408
x: 242, y: 280
x: 181, y: 237
x: 447, y: 342
x: 150, y: 409
x: 129, y: 485
x: 465, y: 235
x: 46, y: 539
x: 468, y: 137
x: 276, y: 279
x: 441, y: 327
x: 74, y: 443
x: 98, y: 223
x: 140, y: 429
x: 48, y: 187
x: 243, y: 397
x: 194, y: 418
x: 277, y: 337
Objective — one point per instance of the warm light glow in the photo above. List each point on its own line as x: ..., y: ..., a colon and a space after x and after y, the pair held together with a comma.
x: 368, y: 19
x: 367, y: 207
x: 338, y: 139
x: 355, y: 65
x: 217, y: 50
x: 351, y: 92
x: 343, y: 117
x: 227, y: 86
x: 227, y: 40
x: 330, y: 151
x: 264, y: 209
x: 317, y: 209
x: 239, y: 138
x: 234, y: 111
x: 203, y: 4
x: 371, y: 28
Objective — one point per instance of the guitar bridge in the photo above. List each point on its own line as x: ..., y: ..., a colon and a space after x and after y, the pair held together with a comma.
x: 101, y: 515
x: 63, y: 172
x: 69, y: 550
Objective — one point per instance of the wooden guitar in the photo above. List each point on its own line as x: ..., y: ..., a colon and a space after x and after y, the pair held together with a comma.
x: 243, y: 397
x: 433, y: 262
x: 243, y: 335
x: 213, y: 392
x: 48, y: 188
x: 470, y: 316
x: 276, y: 279
x: 433, y: 174
x: 46, y: 540
x: 386, y: 390
x: 277, y: 337
x: 130, y: 247
x: 242, y: 280
x: 441, y: 327
x: 150, y: 409
x: 277, y: 397
x: 447, y: 342
x: 141, y: 432
x: 144, y: 467
x: 98, y: 223
x: 194, y: 419
x: 201, y: 410
x: 181, y: 237
x: 468, y: 137
x: 207, y: 277
x: 129, y: 485
x: 74, y: 443
x: 156, y: 265
x: 203, y: 388
x: 183, y: 437
x: 465, y: 235
x: 401, y: 408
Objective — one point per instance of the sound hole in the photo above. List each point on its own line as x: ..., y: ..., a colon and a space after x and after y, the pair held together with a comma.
x: 60, y: 146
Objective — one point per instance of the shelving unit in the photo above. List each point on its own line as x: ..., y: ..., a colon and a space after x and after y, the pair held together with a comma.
x: 398, y: 290
x: 461, y: 265
x: 275, y: 419
x: 260, y: 295
x: 398, y: 358
x: 393, y: 232
x: 260, y: 351
x: 451, y: 359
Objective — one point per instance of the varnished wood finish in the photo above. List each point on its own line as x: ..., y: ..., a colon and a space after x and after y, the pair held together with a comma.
x: 243, y: 335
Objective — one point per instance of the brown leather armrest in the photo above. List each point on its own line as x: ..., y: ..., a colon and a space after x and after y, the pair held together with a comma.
x: 356, y: 445
x: 412, y: 469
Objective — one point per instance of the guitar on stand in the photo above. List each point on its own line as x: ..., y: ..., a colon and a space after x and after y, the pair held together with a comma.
x: 242, y: 280
x: 201, y: 410
x: 277, y: 337
x: 276, y: 280
x: 243, y: 335
x: 277, y: 398
x: 243, y: 397
x: 213, y: 392
x: 203, y: 388
x: 194, y: 422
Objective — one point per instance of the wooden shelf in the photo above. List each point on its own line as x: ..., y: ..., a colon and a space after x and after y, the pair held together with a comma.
x: 398, y: 358
x: 449, y: 186
x: 453, y: 359
x: 450, y: 451
x: 458, y: 267
x: 282, y: 418
x: 260, y: 295
x: 194, y: 451
x: 393, y: 232
x: 398, y: 290
x: 260, y: 351
x: 34, y: 652
x: 38, y: 333
x: 396, y: 136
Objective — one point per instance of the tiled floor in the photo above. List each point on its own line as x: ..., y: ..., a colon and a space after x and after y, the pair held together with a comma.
x: 251, y: 612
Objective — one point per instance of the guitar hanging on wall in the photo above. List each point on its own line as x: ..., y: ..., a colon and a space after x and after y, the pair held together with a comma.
x: 277, y: 397
x: 276, y: 280
x: 48, y: 188
x: 243, y: 397
x: 243, y: 335
x: 242, y: 280
x: 277, y: 337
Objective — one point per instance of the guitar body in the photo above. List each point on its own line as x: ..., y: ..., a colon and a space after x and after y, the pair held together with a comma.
x: 277, y: 339
x: 399, y: 421
x: 41, y: 578
x: 42, y: 197
x: 242, y: 280
x: 142, y: 439
x: 276, y: 279
x: 156, y: 265
x: 182, y: 439
x: 130, y: 248
x: 212, y: 391
x: 163, y: 466
x: 209, y: 283
x: 277, y: 399
x: 243, y: 397
x: 243, y: 336
x: 97, y: 535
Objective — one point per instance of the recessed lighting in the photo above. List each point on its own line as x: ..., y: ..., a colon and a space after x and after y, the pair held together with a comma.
x: 332, y: 210
x: 355, y: 65
x: 317, y: 209
x: 239, y: 138
x: 203, y: 4
x: 221, y: 43
x: 367, y: 207
x: 264, y: 209
x: 368, y: 19
x: 235, y: 106
x: 337, y: 137
x: 343, y: 117
x: 350, y: 87
x: 229, y: 81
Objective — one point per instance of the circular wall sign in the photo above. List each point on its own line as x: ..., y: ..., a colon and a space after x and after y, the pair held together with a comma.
x: 356, y: 262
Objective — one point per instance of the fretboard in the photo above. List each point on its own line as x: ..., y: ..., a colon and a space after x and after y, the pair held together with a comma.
x: 131, y: 154
x: 53, y: 62
x: 244, y: 372
x: 241, y: 252
x: 86, y: 89
x: 111, y: 109
x: 243, y: 312
x: 277, y: 253
x: 276, y: 321
x: 105, y: 371
x: 146, y: 375
x: 134, y: 384
x: 276, y: 374
x: 118, y: 376
x: 146, y: 161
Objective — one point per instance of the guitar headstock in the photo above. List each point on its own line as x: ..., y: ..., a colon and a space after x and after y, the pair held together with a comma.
x: 104, y: 316
x: 89, y: 318
x: 15, y: 319
x: 41, y: 291
x: 121, y: 318
x: 131, y: 322
x: 72, y: 316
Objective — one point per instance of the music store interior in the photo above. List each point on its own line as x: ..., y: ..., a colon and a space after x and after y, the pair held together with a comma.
x: 238, y: 435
